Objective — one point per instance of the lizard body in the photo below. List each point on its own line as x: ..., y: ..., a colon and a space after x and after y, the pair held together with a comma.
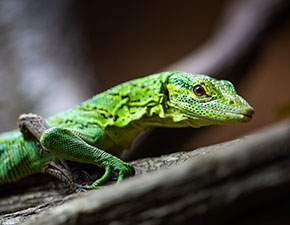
x: 97, y: 130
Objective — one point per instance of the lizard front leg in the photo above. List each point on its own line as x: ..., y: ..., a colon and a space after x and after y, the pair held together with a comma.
x: 32, y: 126
x: 72, y: 144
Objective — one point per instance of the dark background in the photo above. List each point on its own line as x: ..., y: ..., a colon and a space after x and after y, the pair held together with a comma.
x: 54, y: 54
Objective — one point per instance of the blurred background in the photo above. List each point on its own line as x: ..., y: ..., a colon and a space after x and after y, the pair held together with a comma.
x: 55, y: 54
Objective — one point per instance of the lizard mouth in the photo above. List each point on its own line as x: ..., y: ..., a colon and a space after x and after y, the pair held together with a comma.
x: 248, y: 116
x: 221, y: 116
x: 245, y: 115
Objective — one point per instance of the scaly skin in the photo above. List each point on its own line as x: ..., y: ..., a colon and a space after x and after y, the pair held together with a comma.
x: 97, y: 131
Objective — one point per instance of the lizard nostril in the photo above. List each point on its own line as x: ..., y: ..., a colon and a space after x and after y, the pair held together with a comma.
x: 231, y: 102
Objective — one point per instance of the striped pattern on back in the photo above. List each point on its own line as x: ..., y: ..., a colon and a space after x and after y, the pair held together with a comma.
x: 18, y: 157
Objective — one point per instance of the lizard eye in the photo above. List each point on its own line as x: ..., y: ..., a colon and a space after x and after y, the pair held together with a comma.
x: 198, y: 90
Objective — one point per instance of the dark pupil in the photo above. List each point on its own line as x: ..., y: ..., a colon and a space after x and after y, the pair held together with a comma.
x: 199, y: 90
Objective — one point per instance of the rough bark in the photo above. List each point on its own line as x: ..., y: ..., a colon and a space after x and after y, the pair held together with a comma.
x: 238, y: 182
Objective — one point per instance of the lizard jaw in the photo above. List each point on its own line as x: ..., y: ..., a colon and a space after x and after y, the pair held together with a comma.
x: 223, y: 117
x: 212, y: 115
x: 245, y: 115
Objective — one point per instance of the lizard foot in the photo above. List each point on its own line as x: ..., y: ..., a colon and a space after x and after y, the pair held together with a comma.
x: 123, y: 169
x: 84, y: 188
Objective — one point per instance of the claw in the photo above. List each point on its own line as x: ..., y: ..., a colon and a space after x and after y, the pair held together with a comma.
x: 125, y: 171
x: 83, y: 188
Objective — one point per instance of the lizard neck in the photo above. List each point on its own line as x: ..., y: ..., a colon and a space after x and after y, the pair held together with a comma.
x: 156, y: 116
x: 127, y: 109
x: 155, y: 113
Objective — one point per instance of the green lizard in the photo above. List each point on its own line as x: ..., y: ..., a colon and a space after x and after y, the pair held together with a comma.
x: 97, y: 130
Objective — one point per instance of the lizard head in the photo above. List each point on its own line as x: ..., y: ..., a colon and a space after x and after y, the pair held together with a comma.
x: 200, y: 100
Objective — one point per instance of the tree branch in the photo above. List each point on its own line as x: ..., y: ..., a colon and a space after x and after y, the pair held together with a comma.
x: 222, y: 183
